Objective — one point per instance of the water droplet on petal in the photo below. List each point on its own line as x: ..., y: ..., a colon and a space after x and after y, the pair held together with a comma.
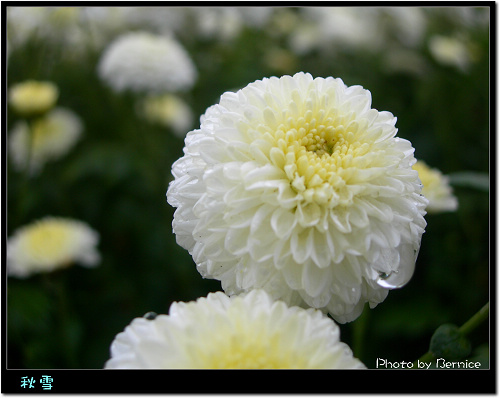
x: 400, y: 277
x: 150, y: 315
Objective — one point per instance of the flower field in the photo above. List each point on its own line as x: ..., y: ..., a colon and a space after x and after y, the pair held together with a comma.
x: 311, y: 152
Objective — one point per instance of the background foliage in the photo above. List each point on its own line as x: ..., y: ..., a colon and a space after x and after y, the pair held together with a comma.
x: 116, y: 178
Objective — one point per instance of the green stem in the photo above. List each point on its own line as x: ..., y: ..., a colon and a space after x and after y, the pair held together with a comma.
x: 55, y: 282
x: 25, y: 181
x: 31, y: 143
x: 359, y: 331
x: 476, y: 320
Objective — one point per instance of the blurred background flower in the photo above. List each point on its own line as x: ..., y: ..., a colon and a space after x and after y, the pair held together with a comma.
x: 116, y: 177
x: 45, y: 139
x: 167, y: 110
x: 144, y: 62
x: 32, y: 97
x: 49, y: 244
x: 436, y: 188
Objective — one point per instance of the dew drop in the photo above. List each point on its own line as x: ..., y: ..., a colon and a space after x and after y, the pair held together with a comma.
x: 150, y: 315
x: 400, y: 277
x: 391, y: 280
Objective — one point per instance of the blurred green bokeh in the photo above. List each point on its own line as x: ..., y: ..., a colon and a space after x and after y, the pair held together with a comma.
x: 116, y: 178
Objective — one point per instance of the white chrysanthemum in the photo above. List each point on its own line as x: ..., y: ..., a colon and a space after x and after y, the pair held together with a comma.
x: 167, y: 110
x: 49, y: 138
x: 144, y: 62
x: 436, y: 188
x: 295, y: 185
x: 51, y: 243
x: 250, y: 331
x: 33, y: 97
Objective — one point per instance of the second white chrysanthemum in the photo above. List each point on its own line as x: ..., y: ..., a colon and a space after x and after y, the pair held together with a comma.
x: 49, y: 244
x: 246, y: 332
x: 144, y: 62
x: 296, y: 186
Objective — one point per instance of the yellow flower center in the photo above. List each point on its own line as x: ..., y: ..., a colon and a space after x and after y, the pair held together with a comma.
x: 245, y: 351
x: 244, y: 343
x: 33, y: 97
x: 43, y: 130
x: 48, y: 241
x: 316, y: 157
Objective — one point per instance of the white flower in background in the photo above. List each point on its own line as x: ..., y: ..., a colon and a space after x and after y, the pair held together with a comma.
x: 450, y: 51
x: 67, y: 27
x: 102, y: 24
x: 351, y: 26
x: 49, y: 244
x: 23, y: 23
x: 408, y: 24
x: 436, y: 189
x: 159, y: 19
x: 167, y: 110
x: 244, y: 332
x: 226, y: 23
x: 465, y: 17
x: 220, y: 23
x: 145, y: 62
x: 256, y: 17
x: 33, y: 97
x: 354, y: 29
x: 335, y: 28
x: 48, y: 139
x: 295, y: 185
